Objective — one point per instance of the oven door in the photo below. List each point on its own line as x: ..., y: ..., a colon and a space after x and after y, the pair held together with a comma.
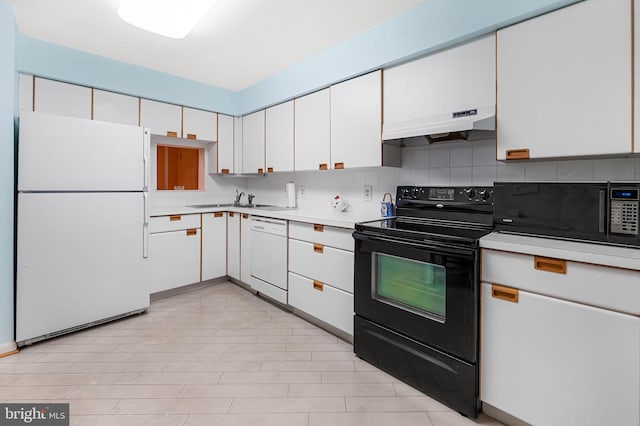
x: 425, y: 291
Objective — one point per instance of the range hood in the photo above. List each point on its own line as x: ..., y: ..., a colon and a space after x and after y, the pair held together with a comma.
x: 471, y: 124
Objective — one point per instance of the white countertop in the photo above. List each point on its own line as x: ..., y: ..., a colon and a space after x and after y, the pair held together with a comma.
x: 310, y: 215
x: 598, y: 254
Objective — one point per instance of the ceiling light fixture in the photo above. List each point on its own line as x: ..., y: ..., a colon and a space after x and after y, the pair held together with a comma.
x: 170, y: 18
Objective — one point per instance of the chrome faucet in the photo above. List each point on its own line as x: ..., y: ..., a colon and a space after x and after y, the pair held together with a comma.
x: 238, y: 197
x: 250, y: 197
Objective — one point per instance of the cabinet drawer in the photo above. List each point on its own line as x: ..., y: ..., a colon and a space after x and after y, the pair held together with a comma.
x: 323, y: 263
x: 328, y: 304
x: 322, y: 234
x: 602, y: 286
x: 174, y: 222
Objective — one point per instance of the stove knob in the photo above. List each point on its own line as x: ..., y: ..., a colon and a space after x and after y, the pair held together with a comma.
x: 415, y: 192
x: 485, y: 194
x: 471, y: 193
x: 406, y: 192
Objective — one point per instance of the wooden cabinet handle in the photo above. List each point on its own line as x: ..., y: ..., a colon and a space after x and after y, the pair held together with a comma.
x: 224, y: 171
x: 191, y: 232
x: 323, y: 166
x: 260, y: 170
x: 318, y: 227
x: 338, y: 166
x: 174, y: 218
x: 317, y: 285
x: 232, y: 214
x: 504, y: 293
x: 518, y: 154
x: 548, y: 264
x: 218, y: 214
x: 318, y: 248
x: 245, y: 215
x: 269, y: 169
x: 191, y: 136
x: 172, y: 134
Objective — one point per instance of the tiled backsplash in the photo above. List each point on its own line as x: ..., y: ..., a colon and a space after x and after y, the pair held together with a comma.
x: 446, y: 163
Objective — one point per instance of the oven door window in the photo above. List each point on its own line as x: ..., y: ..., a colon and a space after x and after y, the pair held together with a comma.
x: 409, y: 284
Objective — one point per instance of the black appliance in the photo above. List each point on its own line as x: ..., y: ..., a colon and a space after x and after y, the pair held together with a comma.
x: 416, y: 291
x: 605, y: 212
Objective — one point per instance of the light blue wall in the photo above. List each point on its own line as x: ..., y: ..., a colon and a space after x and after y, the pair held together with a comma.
x: 8, y: 83
x: 430, y: 26
x: 62, y: 63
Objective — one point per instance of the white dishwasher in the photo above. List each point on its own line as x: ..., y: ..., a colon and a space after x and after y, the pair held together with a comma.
x: 269, y: 257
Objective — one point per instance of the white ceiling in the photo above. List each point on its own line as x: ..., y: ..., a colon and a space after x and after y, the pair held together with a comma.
x: 237, y: 44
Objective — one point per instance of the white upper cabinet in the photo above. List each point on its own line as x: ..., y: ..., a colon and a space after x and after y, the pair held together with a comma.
x: 25, y: 92
x: 253, y: 142
x: 420, y: 94
x: 313, y: 131
x: 565, y: 83
x: 279, y: 138
x: 54, y: 97
x: 225, y: 144
x: 199, y: 124
x: 115, y: 108
x: 163, y: 119
x: 237, y: 144
x: 636, y: 78
x: 356, y: 121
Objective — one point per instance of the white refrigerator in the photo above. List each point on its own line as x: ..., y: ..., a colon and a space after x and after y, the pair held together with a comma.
x: 82, y: 224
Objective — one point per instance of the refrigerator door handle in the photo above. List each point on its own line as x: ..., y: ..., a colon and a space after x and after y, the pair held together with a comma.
x: 145, y: 158
x: 145, y: 227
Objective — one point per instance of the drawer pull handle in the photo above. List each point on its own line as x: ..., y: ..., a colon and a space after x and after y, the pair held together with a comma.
x: 172, y: 134
x: 224, y: 171
x: 191, y: 136
x: 260, y: 170
x: 191, y: 232
x: 218, y: 214
x: 548, y: 264
x: 518, y: 154
x: 318, y: 248
x: 318, y: 228
x: 504, y: 293
x: 269, y: 169
x: 338, y: 166
x: 317, y: 285
x: 232, y: 214
x: 245, y: 215
x: 174, y: 218
x: 323, y: 166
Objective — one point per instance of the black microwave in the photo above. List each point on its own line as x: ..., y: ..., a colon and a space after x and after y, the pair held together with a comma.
x: 605, y: 212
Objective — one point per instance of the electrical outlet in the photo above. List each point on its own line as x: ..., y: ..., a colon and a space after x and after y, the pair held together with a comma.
x: 368, y: 192
x: 300, y: 191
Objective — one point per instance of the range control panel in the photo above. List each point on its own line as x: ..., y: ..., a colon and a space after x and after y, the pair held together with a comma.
x: 431, y: 194
x: 624, y: 210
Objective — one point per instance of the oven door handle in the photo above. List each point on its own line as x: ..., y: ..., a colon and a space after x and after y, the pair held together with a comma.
x: 419, y: 245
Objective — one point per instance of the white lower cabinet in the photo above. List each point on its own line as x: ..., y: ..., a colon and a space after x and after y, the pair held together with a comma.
x: 323, y: 263
x: 321, y: 273
x: 175, y: 258
x: 560, y: 339
x: 324, y: 302
x: 233, y: 245
x: 214, y: 245
x: 245, y: 248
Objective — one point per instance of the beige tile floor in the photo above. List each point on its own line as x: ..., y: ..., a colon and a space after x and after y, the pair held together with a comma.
x: 216, y: 356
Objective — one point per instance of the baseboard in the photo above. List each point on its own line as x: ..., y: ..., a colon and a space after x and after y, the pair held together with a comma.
x: 501, y: 416
x: 8, y: 348
x: 186, y: 288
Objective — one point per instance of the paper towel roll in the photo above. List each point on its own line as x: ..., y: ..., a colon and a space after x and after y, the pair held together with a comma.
x: 291, y: 195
